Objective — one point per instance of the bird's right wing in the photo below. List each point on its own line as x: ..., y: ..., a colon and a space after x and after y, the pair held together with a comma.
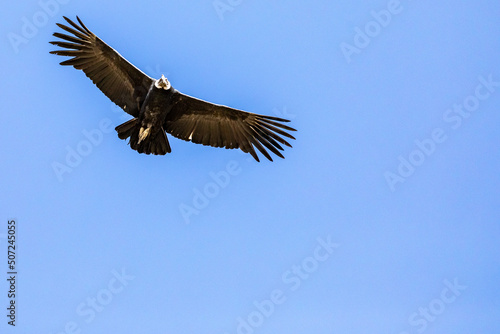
x: 202, y: 122
x: 119, y: 80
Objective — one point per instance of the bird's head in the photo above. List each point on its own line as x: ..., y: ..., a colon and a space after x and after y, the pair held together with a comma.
x: 162, y: 83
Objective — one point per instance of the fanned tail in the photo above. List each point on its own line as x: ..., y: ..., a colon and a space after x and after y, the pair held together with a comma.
x: 155, y: 143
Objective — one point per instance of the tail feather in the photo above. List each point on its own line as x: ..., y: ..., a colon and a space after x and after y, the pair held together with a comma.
x: 125, y: 130
x: 155, y: 143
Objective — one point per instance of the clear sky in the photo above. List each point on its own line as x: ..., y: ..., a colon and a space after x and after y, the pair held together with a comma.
x: 383, y: 218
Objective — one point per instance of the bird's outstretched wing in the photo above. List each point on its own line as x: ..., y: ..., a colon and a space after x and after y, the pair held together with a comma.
x: 215, y: 125
x: 119, y: 80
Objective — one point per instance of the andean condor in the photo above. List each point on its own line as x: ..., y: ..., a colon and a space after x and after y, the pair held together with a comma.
x: 158, y: 108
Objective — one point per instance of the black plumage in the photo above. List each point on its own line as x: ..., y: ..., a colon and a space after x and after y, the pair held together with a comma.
x: 158, y: 108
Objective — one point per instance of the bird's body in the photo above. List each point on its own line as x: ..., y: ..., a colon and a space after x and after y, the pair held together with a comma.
x: 148, y: 135
x: 158, y: 108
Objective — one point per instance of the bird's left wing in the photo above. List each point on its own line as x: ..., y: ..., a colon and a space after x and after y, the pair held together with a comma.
x: 215, y: 125
x: 119, y: 80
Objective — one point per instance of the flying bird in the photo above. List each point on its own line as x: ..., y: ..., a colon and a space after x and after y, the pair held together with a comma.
x: 157, y: 108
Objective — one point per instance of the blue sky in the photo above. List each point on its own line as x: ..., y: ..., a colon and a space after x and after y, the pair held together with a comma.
x: 383, y: 218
